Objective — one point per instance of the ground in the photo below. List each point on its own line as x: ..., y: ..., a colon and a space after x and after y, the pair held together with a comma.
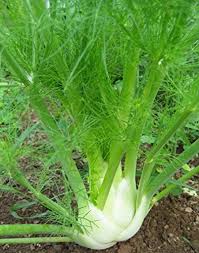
x: 172, y: 226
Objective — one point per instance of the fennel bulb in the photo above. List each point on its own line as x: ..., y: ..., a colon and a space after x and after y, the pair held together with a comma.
x: 119, y: 221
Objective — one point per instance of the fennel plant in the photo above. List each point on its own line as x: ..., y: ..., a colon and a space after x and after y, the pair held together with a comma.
x: 101, y: 65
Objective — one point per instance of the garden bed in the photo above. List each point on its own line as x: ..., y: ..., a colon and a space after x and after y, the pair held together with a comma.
x: 172, y: 226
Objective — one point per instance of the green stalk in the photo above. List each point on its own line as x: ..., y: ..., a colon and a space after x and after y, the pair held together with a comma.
x: 130, y: 166
x: 129, y: 85
x: 37, y: 9
x: 134, y: 131
x: 24, y: 229
x: 53, y: 131
x: 34, y: 240
x: 127, y: 94
x: 170, y: 187
x: 162, y: 178
x: 150, y: 161
x: 97, y: 169
x: 57, y: 138
x: 114, y: 161
x: 18, y: 176
x: 14, y: 66
x: 147, y: 98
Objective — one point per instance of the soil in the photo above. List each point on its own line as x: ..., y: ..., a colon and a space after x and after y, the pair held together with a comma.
x: 172, y: 226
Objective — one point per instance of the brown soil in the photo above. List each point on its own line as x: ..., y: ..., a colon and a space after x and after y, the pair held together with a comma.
x: 172, y: 226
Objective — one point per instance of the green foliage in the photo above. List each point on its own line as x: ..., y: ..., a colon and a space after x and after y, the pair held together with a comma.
x: 103, y: 78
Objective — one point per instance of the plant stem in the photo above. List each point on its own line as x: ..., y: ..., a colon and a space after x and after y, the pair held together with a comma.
x: 23, y: 229
x: 160, y: 179
x: 115, y: 157
x: 134, y: 131
x: 130, y: 167
x: 150, y: 161
x: 170, y: 187
x: 14, y: 66
x: 34, y: 240
x: 97, y: 170
x: 129, y: 85
x: 151, y: 88
x: 63, y: 153
x: 18, y: 176
x: 127, y: 94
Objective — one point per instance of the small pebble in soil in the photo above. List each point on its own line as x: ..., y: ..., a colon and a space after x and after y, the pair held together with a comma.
x: 5, y: 247
x: 58, y: 247
x: 36, y: 221
x: 188, y: 210
x: 32, y: 247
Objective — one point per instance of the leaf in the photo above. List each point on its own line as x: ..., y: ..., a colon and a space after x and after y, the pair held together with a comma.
x: 7, y: 188
x: 186, y: 167
x: 25, y: 205
x: 176, y: 191
x: 6, y: 85
x: 25, y: 135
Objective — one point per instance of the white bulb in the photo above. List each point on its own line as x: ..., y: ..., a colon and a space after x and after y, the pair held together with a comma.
x: 119, y: 220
